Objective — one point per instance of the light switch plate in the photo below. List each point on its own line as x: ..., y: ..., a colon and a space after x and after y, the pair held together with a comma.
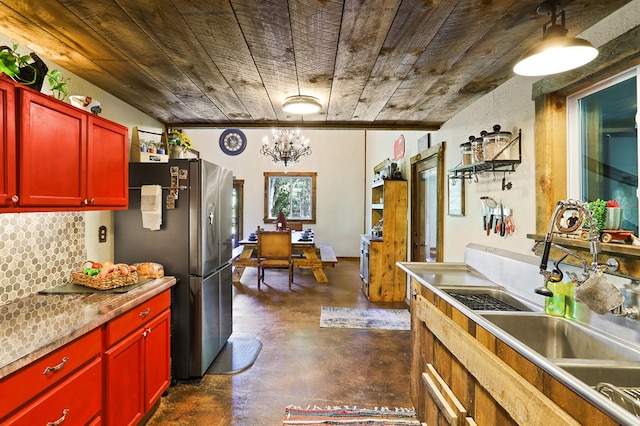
x: 102, y: 234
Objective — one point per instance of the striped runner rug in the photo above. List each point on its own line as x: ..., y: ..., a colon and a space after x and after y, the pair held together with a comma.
x: 351, y: 416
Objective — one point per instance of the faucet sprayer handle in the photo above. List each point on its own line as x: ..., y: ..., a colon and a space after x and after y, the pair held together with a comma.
x: 544, y: 259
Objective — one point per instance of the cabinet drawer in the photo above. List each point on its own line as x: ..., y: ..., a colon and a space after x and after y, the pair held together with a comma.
x: 136, y: 317
x: 40, y: 375
x: 78, y: 400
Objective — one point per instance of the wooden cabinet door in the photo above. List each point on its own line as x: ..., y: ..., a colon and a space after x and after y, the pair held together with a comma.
x: 157, y: 358
x: 108, y: 164
x: 8, y: 172
x: 52, y: 152
x: 124, y: 395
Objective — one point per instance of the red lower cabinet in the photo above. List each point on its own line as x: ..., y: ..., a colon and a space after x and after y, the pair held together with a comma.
x: 112, y: 375
x: 76, y: 401
x: 137, y: 366
x: 157, y: 360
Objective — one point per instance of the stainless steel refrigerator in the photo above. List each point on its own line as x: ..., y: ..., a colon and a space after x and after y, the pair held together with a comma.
x: 194, y: 244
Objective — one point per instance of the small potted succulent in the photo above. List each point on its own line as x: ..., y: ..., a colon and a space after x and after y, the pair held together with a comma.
x: 613, y: 219
x: 607, y: 215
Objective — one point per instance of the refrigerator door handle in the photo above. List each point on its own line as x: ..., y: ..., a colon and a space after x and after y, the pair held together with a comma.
x: 210, y: 218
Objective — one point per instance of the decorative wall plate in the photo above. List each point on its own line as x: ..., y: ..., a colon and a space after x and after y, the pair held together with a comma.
x: 233, y: 141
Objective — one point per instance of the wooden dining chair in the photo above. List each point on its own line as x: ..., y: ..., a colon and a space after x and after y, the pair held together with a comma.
x: 274, y: 251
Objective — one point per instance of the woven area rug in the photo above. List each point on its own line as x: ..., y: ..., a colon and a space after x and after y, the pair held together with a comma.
x: 382, y: 319
x: 311, y: 416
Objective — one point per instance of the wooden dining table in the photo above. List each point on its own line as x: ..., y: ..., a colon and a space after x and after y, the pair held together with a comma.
x: 305, y: 255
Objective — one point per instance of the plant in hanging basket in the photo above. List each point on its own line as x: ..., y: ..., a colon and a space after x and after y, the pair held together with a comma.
x: 19, y: 68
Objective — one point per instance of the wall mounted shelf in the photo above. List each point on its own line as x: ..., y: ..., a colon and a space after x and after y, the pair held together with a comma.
x: 471, y: 171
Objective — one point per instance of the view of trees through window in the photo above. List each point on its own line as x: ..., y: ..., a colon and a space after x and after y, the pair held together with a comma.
x: 293, y: 193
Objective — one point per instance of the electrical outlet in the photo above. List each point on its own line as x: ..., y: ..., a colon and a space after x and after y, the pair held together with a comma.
x: 102, y: 234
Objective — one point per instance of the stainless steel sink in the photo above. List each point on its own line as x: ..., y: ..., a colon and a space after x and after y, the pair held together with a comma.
x: 558, y: 338
x: 622, y: 374
x: 487, y: 298
x: 619, y: 382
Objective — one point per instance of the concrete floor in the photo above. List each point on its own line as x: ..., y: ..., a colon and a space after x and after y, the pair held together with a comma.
x: 300, y: 363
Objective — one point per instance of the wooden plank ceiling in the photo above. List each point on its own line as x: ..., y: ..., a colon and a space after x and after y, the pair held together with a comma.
x: 409, y: 64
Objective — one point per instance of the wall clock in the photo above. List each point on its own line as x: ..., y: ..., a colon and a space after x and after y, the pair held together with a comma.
x: 233, y: 141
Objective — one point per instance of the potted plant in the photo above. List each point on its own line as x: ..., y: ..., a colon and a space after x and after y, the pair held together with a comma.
x: 599, y: 212
x: 59, y: 84
x: 19, y: 69
x: 179, y: 144
x: 613, y: 218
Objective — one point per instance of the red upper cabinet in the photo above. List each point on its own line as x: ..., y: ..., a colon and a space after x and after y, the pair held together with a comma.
x: 108, y: 160
x: 8, y: 181
x: 68, y: 159
x: 53, y: 143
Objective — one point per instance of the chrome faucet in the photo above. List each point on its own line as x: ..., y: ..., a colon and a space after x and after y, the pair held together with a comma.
x: 594, y: 247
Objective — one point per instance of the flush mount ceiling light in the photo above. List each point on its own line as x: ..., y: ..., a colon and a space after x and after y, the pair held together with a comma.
x: 556, y: 52
x: 301, y: 104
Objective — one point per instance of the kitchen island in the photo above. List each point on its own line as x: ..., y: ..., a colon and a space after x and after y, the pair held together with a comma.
x: 467, y: 368
x: 62, y: 353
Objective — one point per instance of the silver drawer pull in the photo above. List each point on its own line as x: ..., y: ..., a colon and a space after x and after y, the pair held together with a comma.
x: 144, y: 313
x: 55, y: 368
x: 60, y: 420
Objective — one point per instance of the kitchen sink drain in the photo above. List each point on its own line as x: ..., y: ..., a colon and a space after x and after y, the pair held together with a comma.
x: 483, y: 302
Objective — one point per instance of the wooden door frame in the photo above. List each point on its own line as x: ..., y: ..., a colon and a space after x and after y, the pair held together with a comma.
x: 437, y: 151
x: 238, y: 185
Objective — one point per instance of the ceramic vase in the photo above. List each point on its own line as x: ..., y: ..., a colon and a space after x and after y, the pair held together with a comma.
x: 178, y: 152
x: 613, y: 220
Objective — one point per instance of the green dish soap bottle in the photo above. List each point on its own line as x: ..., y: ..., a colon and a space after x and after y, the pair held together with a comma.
x: 555, y: 305
x: 570, y: 301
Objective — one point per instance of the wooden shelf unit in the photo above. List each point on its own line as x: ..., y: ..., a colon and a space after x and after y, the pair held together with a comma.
x: 386, y: 282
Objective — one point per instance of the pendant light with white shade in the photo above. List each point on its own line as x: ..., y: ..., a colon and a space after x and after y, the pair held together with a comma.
x: 556, y: 52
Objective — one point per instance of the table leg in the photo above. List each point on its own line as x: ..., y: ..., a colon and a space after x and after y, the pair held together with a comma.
x: 318, y: 271
x: 239, y: 270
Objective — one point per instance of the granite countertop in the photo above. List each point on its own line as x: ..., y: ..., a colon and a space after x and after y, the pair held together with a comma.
x: 38, y: 324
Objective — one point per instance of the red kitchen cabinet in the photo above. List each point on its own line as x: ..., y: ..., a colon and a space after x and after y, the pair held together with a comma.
x: 8, y: 177
x: 70, y: 378
x: 77, y: 401
x: 108, y: 164
x: 67, y: 158
x: 138, y: 364
x: 157, y: 360
x: 53, y: 152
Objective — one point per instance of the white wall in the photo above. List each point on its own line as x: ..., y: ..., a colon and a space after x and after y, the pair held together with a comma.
x: 337, y: 157
x: 510, y: 105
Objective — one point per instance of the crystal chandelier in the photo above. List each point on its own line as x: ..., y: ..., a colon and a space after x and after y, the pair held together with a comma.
x: 287, y: 146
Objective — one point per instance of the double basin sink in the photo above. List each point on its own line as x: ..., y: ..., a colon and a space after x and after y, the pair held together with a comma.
x: 588, y: 354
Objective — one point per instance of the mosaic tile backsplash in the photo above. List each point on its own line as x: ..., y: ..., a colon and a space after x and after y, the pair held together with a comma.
x: 38, y: 251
